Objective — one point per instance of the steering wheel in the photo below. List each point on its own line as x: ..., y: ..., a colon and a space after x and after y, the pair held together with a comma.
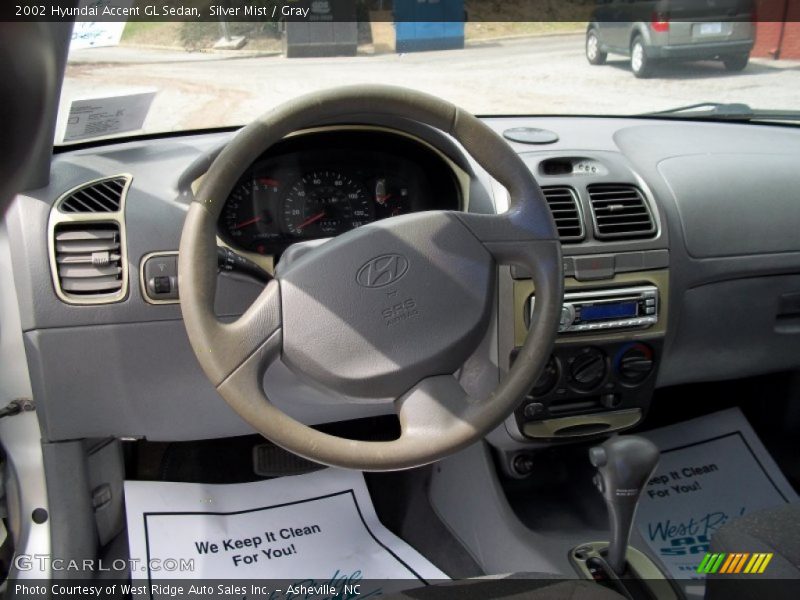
x: 389, y: 310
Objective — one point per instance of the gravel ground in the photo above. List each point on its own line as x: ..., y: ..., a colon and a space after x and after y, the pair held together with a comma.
x: 544, y: 75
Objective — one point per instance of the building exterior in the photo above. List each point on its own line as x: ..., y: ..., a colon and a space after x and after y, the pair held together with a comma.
x: 778, y: 29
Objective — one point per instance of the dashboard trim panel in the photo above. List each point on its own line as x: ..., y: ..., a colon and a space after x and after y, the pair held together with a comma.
x: 583, y: 425
x: 118, y: 217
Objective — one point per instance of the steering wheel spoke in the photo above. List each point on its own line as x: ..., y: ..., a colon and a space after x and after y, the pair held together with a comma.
x: 220, y: 347
x: 523, y: 223
x: 254, y: 333
x: 435, y: 407
x: 243, y: 387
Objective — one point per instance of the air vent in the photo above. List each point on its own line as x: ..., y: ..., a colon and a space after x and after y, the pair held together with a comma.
x: 564, y: 205
x: 620, y: 211
x: 103, y: 196
x: 88, y: 259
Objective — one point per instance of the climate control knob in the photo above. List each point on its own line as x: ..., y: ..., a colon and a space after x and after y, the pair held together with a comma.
x: 548, y: 379
x: 588, y: 369
x: 635, y: 363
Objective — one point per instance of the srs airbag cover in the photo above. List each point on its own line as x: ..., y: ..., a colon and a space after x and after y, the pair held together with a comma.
x: 376, y: 310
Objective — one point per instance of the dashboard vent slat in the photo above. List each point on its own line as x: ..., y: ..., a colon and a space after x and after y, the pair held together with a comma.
x: 566, y: 213
x: 88, y: 258
x: 620, y: 211
x: 86, y: 241
x: 103, y: 196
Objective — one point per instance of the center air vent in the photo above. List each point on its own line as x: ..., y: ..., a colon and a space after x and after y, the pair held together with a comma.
x: 88, y: 259
x: 564, y: 206
x: 620, y: 211
x: 103, y: 196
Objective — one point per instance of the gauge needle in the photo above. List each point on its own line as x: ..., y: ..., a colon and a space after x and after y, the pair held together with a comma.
x: 311, y: 220
x: 248, y: 222
x: 383, y: 199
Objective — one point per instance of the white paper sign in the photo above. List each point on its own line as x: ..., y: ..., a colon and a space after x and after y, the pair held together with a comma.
x: 89, y: 34
x: 98, y: 117
x: 86, y: 34
x: 712, y: 469
x: 321, y: 527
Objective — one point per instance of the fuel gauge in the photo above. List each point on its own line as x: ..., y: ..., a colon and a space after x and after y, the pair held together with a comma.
x: 391, y: 197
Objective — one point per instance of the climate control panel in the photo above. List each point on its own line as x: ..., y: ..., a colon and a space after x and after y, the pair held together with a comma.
x: 590, y: 389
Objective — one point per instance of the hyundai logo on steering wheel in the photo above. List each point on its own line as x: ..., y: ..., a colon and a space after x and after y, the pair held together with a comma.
x: 382, y: 270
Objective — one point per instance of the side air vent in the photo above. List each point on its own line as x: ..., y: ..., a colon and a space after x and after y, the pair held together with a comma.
x: 620, y: 211
x: 564, y: 205
x: 86, y: 238
x: 88, y: 259
x: 104, y: 196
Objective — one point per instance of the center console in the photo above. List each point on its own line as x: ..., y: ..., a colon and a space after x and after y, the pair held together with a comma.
x: 602, y: 372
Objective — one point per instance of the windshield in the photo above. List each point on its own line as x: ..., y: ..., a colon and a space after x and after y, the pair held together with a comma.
x: 125, y: 78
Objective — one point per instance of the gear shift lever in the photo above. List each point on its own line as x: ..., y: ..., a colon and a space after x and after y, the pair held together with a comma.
x: 624, y: 465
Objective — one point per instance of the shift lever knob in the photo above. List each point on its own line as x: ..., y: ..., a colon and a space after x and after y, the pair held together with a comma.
x: 624, y: 465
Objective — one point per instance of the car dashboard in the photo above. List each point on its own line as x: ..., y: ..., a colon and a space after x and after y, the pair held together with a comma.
x: 681, y: 264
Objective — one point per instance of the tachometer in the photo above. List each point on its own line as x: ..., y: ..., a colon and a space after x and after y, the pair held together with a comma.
x: 247, y: 218
x: 326, y: 203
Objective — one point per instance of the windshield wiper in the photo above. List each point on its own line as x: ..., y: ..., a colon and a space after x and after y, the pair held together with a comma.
x: 730, y: 111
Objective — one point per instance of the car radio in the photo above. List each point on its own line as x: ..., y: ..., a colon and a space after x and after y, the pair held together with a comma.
x: 617, y: 308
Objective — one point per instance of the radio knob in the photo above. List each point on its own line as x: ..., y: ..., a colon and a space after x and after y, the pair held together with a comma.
x: 567, y: 316
x: 588, y: 369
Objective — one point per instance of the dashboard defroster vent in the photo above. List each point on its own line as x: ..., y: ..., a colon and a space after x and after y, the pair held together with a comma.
x: 104, y: 196
x: 88, y: 259
x: 620, y: 211
x: 566, y: 212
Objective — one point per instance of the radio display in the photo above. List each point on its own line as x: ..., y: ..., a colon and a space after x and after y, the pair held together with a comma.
x: 611, y: 310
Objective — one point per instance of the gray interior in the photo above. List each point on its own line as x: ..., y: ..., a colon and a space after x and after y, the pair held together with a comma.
x: 768, y: 217
x: 726, y: 269
x: 157, y: 204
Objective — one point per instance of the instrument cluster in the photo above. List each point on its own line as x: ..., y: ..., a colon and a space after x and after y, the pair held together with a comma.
x: 322, y: 184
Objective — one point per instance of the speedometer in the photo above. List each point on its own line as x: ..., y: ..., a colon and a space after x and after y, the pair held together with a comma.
x: 326, y: 203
